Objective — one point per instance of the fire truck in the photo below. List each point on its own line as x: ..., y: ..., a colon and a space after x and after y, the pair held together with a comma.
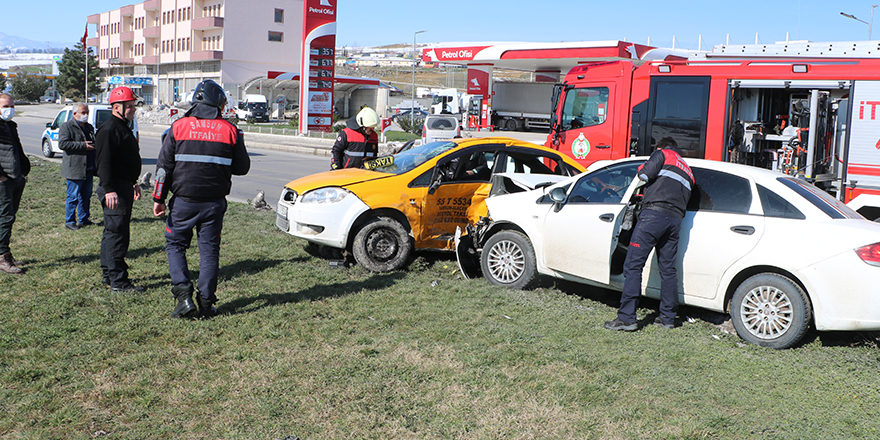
x: 806, y: 109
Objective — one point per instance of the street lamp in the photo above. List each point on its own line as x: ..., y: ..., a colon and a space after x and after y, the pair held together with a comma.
x: 870, y: 24
x: 412, y: 105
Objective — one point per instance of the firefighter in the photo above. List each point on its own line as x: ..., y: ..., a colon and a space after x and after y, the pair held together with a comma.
x: 118, y: 162
x: 199, y: 155
x: 669, y: 183
x: 357, y: 142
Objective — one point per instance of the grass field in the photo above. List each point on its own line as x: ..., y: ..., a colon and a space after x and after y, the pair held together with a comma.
x: 303, y: 349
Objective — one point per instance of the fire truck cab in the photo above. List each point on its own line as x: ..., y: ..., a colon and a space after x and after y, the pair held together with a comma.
x: 811, y: 114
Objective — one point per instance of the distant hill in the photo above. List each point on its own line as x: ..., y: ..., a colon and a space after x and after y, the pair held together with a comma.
x: 13, y: 44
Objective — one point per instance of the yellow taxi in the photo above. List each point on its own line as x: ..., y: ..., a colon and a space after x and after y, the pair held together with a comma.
x: 412, y: 200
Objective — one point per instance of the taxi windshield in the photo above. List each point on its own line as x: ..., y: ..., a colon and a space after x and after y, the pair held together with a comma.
x: 414, y: 157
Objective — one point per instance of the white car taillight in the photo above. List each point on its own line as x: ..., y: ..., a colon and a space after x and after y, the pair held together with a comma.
x: 870, y: 254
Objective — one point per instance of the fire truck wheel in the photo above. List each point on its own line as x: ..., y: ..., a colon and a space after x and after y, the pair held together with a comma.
x: 508, y: 260
x: 382, y: 245
x: 770, y: 310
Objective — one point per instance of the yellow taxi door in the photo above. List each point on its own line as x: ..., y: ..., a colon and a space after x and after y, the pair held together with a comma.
x: 460, y: 187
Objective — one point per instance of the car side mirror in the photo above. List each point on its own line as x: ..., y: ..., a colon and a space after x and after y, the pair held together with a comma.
x: 557, y: 195
x: 49, y: 124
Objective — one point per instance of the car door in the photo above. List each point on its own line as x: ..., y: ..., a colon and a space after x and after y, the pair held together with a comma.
x: 586, y: 124
x: 461, y: 185
x: 721, y: 226
x: 580, y: 236
x: 60, y: 119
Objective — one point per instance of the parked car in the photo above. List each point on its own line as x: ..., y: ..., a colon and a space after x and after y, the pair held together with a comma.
x: 291, y: 111
x: 416, y: 114
x: 411, y: 200
x: 774, y: 251
x: 437, y: 127
x: 98, y: 113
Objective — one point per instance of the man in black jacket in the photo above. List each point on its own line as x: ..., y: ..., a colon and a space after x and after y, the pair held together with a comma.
x: 357, y: 142
x: 199, y: 155
x: 119, y: 165
x: 76, y: 138
x: 14, y: 166
x: 669, y: 183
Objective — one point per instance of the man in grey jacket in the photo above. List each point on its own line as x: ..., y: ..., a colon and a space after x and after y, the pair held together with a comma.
x: 76, y: 138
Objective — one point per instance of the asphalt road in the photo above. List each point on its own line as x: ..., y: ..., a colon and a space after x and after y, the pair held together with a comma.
x: 270, y: 170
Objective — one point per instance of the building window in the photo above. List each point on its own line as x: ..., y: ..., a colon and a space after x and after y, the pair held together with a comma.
x: 276, y: 36
x: 279, y: 15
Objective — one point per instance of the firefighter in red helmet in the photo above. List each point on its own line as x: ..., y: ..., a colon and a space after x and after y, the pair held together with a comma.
x: 118, y: 167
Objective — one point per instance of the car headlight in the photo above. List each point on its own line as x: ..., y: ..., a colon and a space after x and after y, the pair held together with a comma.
x: 324, y: 195
x: 288, y: 195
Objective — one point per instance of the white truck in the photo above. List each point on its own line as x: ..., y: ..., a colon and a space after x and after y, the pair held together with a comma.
x: 449, y: 101
x: 521, y: 105
x: 253, y: 106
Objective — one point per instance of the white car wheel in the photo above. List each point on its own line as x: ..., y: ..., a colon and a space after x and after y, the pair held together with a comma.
x: 47, y: 149
x: 770, y: 310
x: 508, y: 260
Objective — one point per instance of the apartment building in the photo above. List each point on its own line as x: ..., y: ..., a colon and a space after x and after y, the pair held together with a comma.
x: 163, y: 48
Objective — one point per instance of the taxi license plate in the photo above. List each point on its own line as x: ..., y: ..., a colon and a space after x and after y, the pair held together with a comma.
x: 281, y: 211
x: 379, y: 162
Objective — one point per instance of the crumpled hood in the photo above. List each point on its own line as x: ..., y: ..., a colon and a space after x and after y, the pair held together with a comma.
x: 342, y: 178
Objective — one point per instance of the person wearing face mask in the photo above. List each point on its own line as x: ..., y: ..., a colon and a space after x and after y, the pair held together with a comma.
x: 76, y: 138
x: 118, y: 161
x: 14, y: 167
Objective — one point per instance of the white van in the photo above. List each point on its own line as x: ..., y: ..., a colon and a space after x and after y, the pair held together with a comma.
x: 253, y: 106
x: 439, y: 127
x: 98, y: 113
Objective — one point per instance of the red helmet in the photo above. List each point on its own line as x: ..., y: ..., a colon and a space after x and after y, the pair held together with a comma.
x: 121, y: 94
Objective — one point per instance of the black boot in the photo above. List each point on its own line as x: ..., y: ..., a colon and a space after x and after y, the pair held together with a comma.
x: 206, y: 308
x: 185, y: 306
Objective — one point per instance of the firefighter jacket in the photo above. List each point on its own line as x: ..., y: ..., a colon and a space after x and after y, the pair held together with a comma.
x: 670, y: 182
x: 198, y: 157
x: 118, y: 154
x: 352, y: 147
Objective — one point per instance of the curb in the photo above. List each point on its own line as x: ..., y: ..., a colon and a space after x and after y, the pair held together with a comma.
x: 275, y: 142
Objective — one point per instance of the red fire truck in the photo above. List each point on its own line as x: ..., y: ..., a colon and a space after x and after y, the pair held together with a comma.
x: 808, y: 109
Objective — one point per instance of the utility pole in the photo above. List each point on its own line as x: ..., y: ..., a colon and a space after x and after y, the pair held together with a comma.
x: 412, y: 107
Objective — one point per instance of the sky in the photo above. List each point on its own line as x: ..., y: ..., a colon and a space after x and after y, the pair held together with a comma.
x: 659, y: 23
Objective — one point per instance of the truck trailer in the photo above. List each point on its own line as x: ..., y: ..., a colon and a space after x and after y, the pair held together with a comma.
x: 805, y: 109
x: 521, y: 105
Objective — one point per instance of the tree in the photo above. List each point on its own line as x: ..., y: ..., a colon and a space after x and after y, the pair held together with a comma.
x: 71, y: 74
x: 29, y: 87
x: 2, y: 82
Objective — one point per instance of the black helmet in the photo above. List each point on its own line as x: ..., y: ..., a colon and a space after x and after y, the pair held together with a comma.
x: 209, y: 92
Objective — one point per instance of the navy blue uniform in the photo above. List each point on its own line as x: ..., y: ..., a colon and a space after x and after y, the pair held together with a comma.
x: 353, y: 147
x: 664, y: 205
x: 199, y: 155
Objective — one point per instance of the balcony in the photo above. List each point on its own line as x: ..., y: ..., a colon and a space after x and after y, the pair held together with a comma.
x: 152, y: 5
x: 126, y: 11
x: 152, y: 59
x: 126, y: 61
x: 152, y: 32
x: 93, y: 41
x: 206, y: 55
x: 127, y: 36
x: 206, y: 23
x: 94, y: 19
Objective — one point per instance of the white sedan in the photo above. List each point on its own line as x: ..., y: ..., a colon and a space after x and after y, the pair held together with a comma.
x: 775, y: 252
